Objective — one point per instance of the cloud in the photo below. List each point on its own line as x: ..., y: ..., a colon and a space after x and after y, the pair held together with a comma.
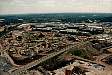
x: 40, y: 6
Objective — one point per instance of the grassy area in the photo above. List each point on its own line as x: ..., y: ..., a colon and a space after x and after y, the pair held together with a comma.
x: 84, y: 50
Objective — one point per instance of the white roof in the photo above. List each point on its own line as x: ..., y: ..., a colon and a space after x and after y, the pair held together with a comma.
x: 94, y: 27
x: 71, y: 30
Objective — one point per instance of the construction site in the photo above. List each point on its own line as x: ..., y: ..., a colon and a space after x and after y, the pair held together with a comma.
x: 30, y: 49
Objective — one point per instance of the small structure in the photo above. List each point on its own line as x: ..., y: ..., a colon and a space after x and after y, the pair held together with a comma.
x: 2, y: 23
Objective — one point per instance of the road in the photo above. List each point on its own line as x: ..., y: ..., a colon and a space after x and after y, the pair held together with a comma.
x: 19, y: 70
x: 102, y: 49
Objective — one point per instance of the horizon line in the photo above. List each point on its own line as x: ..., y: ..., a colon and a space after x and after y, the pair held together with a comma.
x: 58, y: 13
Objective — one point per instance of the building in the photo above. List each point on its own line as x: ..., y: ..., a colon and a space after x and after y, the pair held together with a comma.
x: 2, y: 23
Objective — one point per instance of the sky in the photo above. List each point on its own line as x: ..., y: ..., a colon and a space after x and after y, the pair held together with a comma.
x: 55, y: 6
